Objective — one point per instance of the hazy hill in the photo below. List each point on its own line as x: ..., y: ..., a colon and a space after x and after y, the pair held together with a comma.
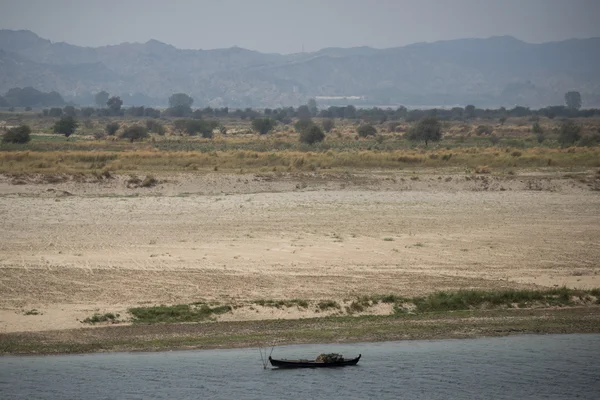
x: 486, y: 72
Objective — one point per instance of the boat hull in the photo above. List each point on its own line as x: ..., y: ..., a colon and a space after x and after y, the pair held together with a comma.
x: 312, y: 364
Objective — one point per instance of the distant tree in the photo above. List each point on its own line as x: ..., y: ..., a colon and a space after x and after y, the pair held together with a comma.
x: 196, y: 126
x: 87, y: 112
x: 197, y: 114
x: 484, y: 130
x: 29, y: 96
x: 20, y: 135
x: 136, y: 111
x: 303, y: 112
x: 263, y: 125
x: 134, y: 132
x: 112, y: 128
x: 208, y: 112
x: 328, y: 124
x: 114, y: 105
x: 366, y: 130
x: 101, y: 99
x: 303, y: 125
x: 27, y: 108
x: 427, y: 129
x: 65, y: 126
x: 155, y: 127
x: 349, y: 112
x: 519, y: 111
x: 494, y: 139
x: 470, y: 111
x: 179, y: 125
x: 11, y: 109
x: 537, y: 129
x: 568, y: 133
x: 312, y: 135
x: 573, y: 100
x: 502, y: 120
x: 180, y: 105
x: 69, y: 111
x: 180, y: 99
x: 312, y: 107
x: 151, y: 112
x: 55, y: 112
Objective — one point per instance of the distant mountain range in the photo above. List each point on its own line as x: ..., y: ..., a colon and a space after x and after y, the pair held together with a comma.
x: 499, y: 71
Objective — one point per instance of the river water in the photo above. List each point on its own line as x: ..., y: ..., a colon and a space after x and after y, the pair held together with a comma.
x: 516, y: 367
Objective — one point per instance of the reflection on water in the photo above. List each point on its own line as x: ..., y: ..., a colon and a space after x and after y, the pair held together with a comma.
x: 544, y: 367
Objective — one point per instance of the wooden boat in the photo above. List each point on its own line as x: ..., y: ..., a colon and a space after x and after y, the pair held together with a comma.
x: 312, y: 363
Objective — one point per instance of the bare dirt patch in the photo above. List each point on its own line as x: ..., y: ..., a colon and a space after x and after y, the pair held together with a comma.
x: 105, y: 247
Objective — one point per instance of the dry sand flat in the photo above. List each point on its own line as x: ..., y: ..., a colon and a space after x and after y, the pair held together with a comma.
x: 69, y: 250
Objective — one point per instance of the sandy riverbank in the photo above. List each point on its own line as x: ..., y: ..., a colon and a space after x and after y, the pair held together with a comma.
x: 70, y: 249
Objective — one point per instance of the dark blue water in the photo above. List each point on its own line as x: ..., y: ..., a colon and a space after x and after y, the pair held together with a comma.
x: 517, y: 367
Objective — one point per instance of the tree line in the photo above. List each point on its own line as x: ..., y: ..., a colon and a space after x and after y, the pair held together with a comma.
x: 180, y: 106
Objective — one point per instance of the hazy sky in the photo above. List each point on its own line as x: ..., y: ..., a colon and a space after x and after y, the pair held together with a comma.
x: 287, y: 25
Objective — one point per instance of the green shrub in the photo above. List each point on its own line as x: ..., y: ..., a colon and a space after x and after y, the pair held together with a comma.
x: 202, y: 127
x: 134, y: 132
x: 112, y: 128
x: 97, y: 318
x: 428, y: 129
x: 263, y: 125
x: 328, y: 124
x: 66, y: 126
x: 20, y: 135
x: 155, y: 127
x: 303, y: 125
x: 366, y: 130
x: 312, y: 135
x: 569, y: 133
x: 484, y: 130
x: 327, y: 304
x: 176, y: 313
x: 590, y: 140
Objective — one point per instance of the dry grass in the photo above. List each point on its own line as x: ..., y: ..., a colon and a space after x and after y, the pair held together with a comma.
x: 156, y: 160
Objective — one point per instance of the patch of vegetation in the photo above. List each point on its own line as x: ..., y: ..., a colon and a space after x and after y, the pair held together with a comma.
x: 471, y: 299
x: 312, y: 135
x: 98, y: 318
x: 112, y: 128
x: 263, y: 125
x: 149, y: 181
x: 66, y: 126
x: 428, y: 129
x: 135, y: 132
x: 177, y: 313
x: 327, y: 305
x: 18, y: 135
x: 32, y: 312
x: 282, y: 303
x: 359, y: 305
x: 386, y: 298
x: 328, y: 124
x: 366, y: 130
x: 569, y: 133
